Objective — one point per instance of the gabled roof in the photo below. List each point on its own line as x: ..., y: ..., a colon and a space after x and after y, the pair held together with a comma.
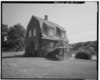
x: 49, y: 23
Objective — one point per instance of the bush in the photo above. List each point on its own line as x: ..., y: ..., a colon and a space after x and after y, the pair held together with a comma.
x: 83, y: 55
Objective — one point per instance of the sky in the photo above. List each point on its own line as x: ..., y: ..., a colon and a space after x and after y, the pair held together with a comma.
x: 79, y: 20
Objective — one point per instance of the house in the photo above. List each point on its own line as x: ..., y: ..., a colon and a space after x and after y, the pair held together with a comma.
x: 45, y: 38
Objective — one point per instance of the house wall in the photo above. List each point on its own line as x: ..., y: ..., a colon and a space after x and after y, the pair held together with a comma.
x: 32, y: 37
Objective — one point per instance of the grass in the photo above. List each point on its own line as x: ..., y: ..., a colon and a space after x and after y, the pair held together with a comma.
x: 15, y: 66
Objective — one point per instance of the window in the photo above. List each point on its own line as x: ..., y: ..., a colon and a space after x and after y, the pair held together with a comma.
x: 63, y: 35
x: 51, y: 32
x: 30, y: 33
x: 5, y: 38
x: 45, y: 29
x: 58, y: 32
x: 34, y: 32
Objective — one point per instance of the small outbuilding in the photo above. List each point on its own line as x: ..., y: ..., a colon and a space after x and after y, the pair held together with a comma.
x: 46, y: 39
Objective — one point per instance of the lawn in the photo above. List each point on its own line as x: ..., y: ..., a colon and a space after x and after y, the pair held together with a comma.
x: 16, y: 66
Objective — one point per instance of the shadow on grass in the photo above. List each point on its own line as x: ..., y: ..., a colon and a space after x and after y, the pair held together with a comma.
x: 23, y: 56
x: 50, y: 79
x: 31, y: 56
x: 14, y: 56
x: 19, y: 56
x: 54, y: 59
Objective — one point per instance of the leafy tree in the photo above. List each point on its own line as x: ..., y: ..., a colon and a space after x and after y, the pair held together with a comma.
x: 4, y: 32
x: 89, y: 45
x: 16, y: 35
x: 92, y: 47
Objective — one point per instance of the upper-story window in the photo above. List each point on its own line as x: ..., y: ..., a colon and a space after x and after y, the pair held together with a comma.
x: 58, y: 32
x: 51, y: 31
x: 34, y: 32
x: 63, y: 35
x: 45, y: 29
x: 30, y: 33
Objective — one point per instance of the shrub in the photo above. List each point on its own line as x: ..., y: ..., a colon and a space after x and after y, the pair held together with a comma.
x: 83, y: 55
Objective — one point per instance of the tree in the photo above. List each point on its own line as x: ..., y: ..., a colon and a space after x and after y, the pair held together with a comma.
x: 16, y: 36
x: 92, y: 47
x: 4, y: 32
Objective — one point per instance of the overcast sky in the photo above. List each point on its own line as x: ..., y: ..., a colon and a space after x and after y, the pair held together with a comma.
x: 79, y: 20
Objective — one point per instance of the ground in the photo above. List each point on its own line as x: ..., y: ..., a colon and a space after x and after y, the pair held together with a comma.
x: 16, y: 66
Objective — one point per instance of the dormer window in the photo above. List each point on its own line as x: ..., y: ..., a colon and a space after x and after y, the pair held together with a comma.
x: 45, y: 29
x: 51, y: 31
x: 63, y: 35
x: 58, y: 32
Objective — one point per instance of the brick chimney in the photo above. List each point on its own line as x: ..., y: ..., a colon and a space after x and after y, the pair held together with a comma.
x: 46, y: 17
